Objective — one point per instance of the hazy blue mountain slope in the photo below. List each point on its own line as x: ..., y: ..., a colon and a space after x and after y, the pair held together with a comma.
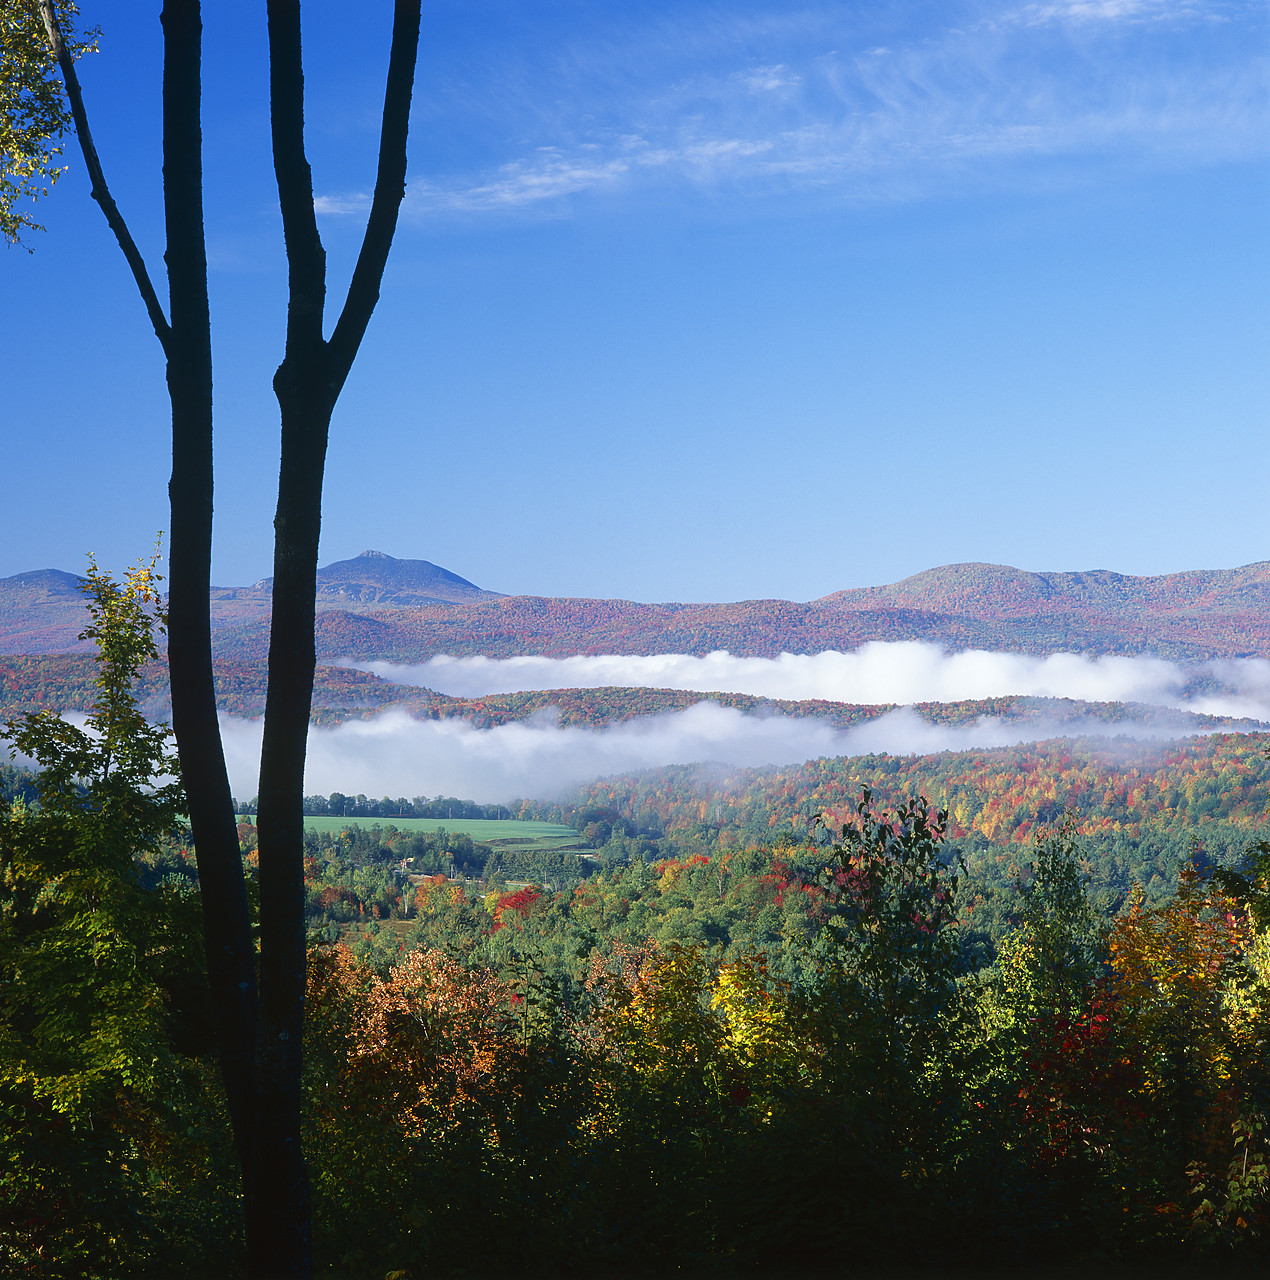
x: 375, y: 606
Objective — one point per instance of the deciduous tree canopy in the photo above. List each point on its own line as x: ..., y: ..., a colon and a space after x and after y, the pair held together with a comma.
x: 33, y: 111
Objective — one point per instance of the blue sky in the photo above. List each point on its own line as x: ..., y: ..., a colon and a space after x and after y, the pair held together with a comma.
x: 698, y: 301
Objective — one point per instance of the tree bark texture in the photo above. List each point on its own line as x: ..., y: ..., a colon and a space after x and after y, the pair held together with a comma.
x: 231, y: 957
x: 185, y: 335
x: 308, y: 383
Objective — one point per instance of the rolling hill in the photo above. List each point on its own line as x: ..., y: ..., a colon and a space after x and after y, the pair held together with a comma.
x: 994, y: 590
x: 41, y: 611
x: 1189, y: 617
x: 375, y: 606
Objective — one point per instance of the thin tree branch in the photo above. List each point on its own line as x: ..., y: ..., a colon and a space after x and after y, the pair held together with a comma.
x: 186, y: 255
x: 100, y: 191
x: 390, y: 190
x: 306, y: 259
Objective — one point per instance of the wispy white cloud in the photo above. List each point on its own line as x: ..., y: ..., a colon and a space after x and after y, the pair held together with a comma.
x: 840, y: 112
x: 768, y: 79
x: 355, y: 202
x: 547, y: 175
x: 552, y: 174
x: 1114, y: 11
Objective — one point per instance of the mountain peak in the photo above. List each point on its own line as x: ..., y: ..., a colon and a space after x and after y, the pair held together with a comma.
x: 374, y: 577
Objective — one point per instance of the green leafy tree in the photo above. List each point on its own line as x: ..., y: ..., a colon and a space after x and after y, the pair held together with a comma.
x: 891, y: 952
x: 33, y: 112
x: 1177, y: 995
x: 89, y: 963
x: 1035, y: 1059
x: 1042, y: 979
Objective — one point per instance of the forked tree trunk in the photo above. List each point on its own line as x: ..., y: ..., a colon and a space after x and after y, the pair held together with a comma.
x: 259, y: 1035
x: 308, y: 383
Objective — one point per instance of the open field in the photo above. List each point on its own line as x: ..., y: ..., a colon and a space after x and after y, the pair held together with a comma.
x: 512, y: 831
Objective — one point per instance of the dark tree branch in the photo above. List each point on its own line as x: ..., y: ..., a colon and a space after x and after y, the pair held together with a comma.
x: 186, y: 342
x: 306, y: 259
x: 100, y: 191
x: 282, y: 1244
x: 390, y: 190
x: 260, y: 1027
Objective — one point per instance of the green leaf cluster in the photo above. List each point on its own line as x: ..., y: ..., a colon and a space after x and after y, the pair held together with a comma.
x: 33, y: 111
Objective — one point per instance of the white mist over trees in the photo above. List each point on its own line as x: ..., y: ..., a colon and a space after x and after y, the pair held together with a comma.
x: 899, y: 672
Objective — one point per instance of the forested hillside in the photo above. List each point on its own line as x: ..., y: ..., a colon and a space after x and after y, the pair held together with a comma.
x: 1041, y: 1017
x: 65, y: 682
x: 1139, y: 811
x: 753, y: 628
x: 999, y: 591
x: 706, y: 1015
x: 1118, y: 786
x: 672, y: 1064
x: 376, y: 607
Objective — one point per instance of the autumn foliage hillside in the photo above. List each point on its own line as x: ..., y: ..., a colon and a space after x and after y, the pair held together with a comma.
x: 557, y: 628
x: 1192, y: 616
x: 1002, y: 794
x: 718, y: 1062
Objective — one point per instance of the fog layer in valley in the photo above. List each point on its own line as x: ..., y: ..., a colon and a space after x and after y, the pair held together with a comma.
x: 902, y: 672
x: 907, y: 671
x: 394, y: 754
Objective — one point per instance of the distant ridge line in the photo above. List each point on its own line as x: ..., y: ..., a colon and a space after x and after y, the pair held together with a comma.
x: 1000, y: 590
x: 377, y: 607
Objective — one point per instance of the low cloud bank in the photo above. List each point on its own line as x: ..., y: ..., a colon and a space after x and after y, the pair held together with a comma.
x: 882, y: 671
x: 394, y: 754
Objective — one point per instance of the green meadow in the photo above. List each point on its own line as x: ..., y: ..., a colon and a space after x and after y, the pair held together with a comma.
x: 542, y: 835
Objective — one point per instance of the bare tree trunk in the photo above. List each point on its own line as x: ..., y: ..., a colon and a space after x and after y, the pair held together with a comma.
x: 308, y: 383
x: 282, y: 1246
x: 226, y: 919
x: 187, y: 344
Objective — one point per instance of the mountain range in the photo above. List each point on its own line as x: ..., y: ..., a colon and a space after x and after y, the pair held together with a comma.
x: 375, y: 606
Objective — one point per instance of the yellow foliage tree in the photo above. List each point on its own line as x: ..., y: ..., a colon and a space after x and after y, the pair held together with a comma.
x: 1189, y: 998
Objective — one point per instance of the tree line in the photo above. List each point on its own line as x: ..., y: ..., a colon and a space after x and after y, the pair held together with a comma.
x: 339, y: 805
